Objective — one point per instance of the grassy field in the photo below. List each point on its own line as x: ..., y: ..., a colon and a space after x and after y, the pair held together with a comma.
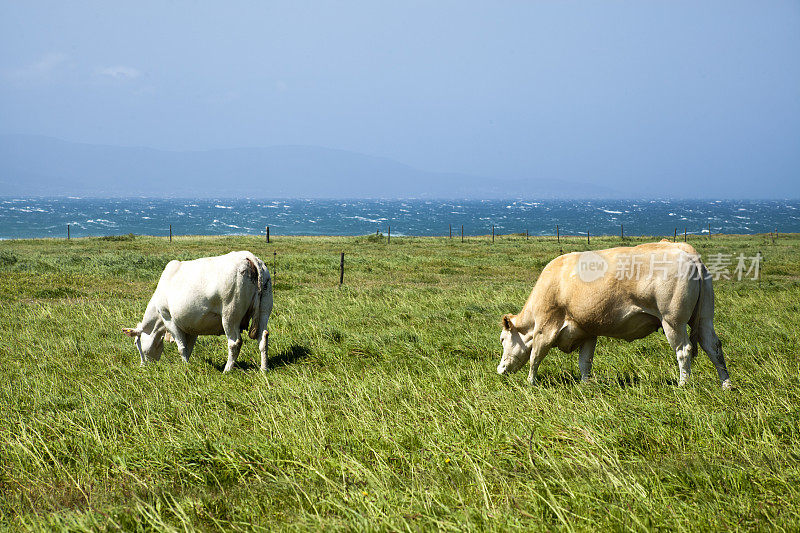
x: 383, y: 409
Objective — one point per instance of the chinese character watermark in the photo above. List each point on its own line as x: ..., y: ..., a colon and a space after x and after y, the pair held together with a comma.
x: 592, y: 266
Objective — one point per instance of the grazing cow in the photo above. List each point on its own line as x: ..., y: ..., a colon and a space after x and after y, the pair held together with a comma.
x: 625, y: 293
x: 207, y: 296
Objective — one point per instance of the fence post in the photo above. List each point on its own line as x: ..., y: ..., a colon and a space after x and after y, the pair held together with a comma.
x: 709, y: 230
x: 450, y: 226
x: 492, y: 232
x: 675, y: 236
x: 170, y: 233
x: 588, y: 241
x: 67, y: 231
x: 462, y: 232
x: 621, y: 232
x: 558, y: 234
x: 684, y: 234
x: 341, y: 270
x: 267, y: 234
x: 526, y: 234
x: 758, y: 269
x: 274, y: 268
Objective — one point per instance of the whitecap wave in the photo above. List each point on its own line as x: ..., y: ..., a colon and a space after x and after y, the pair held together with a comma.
x: 364, y: 219
x: 221, y: 223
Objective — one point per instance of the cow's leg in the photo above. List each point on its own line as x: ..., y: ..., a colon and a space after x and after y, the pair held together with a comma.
x: 713, y: 347
x: 679, y: 341
x: 586, y: 357
x: 183, y: 341
x: 263, y: 342
x: 234, y: 347
x: 541, y: 346
x: 142, y: 358
x: 188, y: 346
x: 692, y: 348
x: 233, y: 332
x: 263, y: 345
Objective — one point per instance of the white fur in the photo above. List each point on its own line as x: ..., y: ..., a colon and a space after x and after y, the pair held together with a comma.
x: 208, y: 296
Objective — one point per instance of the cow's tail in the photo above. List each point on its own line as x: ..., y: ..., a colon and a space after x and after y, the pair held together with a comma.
x: 255, y: 316
x: 704, y: 308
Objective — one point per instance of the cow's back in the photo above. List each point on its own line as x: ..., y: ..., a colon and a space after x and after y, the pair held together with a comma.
x: 199, y: 292
x: 208, y: 277
x: 640, y: 286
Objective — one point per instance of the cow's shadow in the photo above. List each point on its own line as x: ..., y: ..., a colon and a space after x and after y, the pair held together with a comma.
x: 292, y: 355
x: 565, y: 379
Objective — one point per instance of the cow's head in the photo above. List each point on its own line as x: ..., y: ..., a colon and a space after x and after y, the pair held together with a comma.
x: 516, y: 347
x: 149, y: 345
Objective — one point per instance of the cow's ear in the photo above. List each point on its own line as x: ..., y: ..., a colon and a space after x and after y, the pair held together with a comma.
x: 131, y: 332
x: 507, y: 323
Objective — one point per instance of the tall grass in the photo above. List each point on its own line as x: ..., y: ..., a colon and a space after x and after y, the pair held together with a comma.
x: 382, y: 409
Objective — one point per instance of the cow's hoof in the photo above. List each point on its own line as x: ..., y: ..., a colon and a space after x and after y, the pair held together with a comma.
x: 727, y: 385
x: 533, y: 382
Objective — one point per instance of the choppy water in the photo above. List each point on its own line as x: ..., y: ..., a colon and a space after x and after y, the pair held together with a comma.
x: 38, y: 217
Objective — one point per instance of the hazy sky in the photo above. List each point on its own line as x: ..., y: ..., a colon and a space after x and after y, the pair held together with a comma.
x: 625, y: 93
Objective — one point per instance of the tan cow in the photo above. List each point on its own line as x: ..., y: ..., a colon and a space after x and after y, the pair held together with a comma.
x: 625, y: 293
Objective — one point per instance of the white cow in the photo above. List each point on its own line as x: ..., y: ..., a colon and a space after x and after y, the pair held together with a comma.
x: 208, y: 296
x: 625, y: 293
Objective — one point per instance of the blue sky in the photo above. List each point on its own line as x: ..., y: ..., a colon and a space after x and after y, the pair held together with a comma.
x: 635, y: 95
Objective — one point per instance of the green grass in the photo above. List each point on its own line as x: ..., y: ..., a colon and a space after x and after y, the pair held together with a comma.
x: 383, y: 409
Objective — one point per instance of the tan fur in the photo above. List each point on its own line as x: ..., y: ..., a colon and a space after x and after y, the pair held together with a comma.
x: 568, y: 312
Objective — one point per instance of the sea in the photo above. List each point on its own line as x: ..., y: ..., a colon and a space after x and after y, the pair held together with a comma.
x: 49, y: 217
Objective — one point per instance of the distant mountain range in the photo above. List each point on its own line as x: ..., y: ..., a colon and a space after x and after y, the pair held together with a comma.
x: 43, y: 166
